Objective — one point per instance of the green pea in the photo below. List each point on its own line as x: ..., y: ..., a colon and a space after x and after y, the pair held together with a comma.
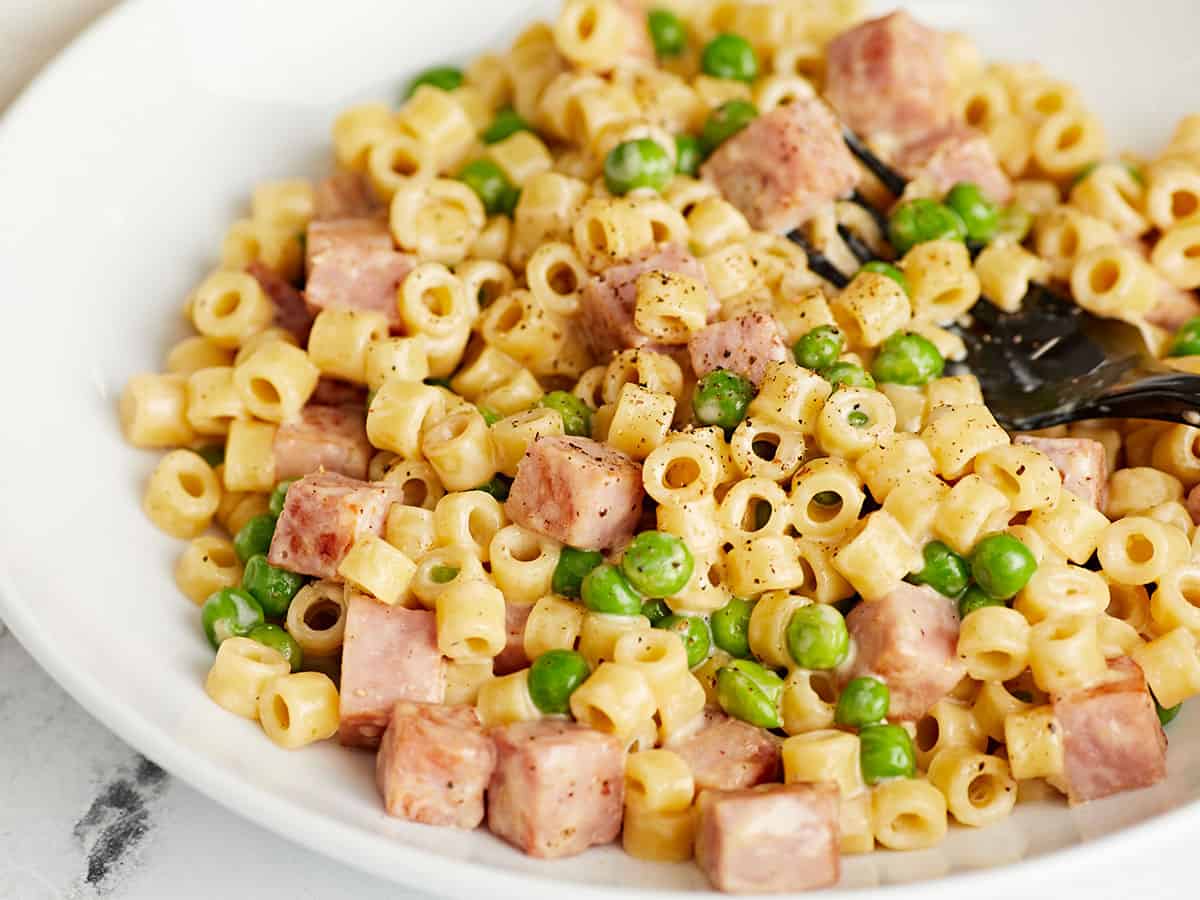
x: 729, y: 56
x: 879, y: 267
x: 721, y: 398
x: 819, y: 348
x: 979, y: 214
x: 858, y: 418
x: 229, y: 612
x: 657, y: 564
x: 817, y: 637
x: 1167, y: 714
x: 443, y: 574
x: 576, y: 415
x: 492, y: 186
x: 750, y: 692
x: 907, y: 358
x: 504, y: 125
x: 554, y: 677
x: 886, y: 751
x: 724, y: 122
x: 693, y: 631
x: 731, y: 627
x: 849, y: 374
x: 1187, y: 339
x: 688, y: 154
x: 255, y: 537
x: 921, y: 220
x: 1002, y: 565
x: 1015, y: 223
x: 667, y: 31
x: 656, y: 610
x: 213, y: 454
x: 573, y: 565
x: 279, y: 496
x: 498, y: 486
x: 277, y: 639
x: 944, y: 570
x: 272, y: 587
x: 605, y: 589
x: 640, y: 163
x: 445, y: 77
x: 490, y: 416
x: 864, y: 701
x: 974, y: 598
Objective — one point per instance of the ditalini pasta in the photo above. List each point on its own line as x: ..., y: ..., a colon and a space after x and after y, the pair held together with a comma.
x: 549, y: 471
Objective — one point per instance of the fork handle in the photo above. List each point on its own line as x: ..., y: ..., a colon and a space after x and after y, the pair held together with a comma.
x: 1173, y: 397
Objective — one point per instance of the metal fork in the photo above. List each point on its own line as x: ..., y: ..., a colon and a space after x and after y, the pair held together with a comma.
x: 1051, y: 362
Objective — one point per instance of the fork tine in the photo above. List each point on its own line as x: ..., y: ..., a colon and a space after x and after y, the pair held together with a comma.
x: 860, y: 199
x: 857, y: 246
x: 892, y: 180
x: 818, y: 262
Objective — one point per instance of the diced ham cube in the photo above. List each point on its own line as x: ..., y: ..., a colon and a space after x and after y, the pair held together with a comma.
x: 344, y: 195
x: 638, y: 47
x: 434, y: 764
x: 1174, y: 306
x: 784, y: 166
x: 291, y: 312
x: 1193, y: 503
x: 606, y: 309
x: 889, y: 76
x: 728, y: 754
x: 389, y: 654
x: 1112, y: 739
x: 333, y: 438
x: 943, y: 158
x: 746, y: 345
x: 1082, y: 463
x: 513, y: 657
x: 558, y: 787
x: 334, y: 392
x: 769, y: 841
x: 323, y: 515
x: 353, y: 265
x: 909, y: 640
x: 578, y: 492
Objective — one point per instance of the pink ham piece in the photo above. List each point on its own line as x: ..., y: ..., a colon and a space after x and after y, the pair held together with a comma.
x: 1193, y: 503
x: 389, y: 654
x: 889, y: 76
x: 784, y: 166
x: 513, y: 657
x: 909, y: 640
x: 1174, y: 306
x: 745, y: 345
x: 558, y: 788
x: 606, y: 308
x: 578, y: 492
x: 333, y: 438
x: 434, y: 765
x: 291, y: 312
x: 334, y: 392
x: 353, y: 265
x: 344, y: 195
x: 769, y: 841
x: 727, y: 754
x: 1082, y: 463
x: 323, y: 515
x: 638, y: 48
x: 943, y: 158
x: 1112, y: 739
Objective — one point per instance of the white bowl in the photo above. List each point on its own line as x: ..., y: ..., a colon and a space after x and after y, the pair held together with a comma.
x: 119, y: 170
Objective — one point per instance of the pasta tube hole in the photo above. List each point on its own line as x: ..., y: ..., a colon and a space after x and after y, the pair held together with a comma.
x: 1070, y: 137
x: 1189, y: 590
x: 264, y: 391
x: 414, y: 492
x: 1139, y: 549
x: 226, y: 304
x: 562, y: 279
x: 1183, y: 204
x: 191, y: 483
x: 928, y: 732
x: 1104, y: 276
x: 681, y: 473
x: 323, y: 615
x: 283, y: 715
x: 984, y: 789
x: 765, y: 446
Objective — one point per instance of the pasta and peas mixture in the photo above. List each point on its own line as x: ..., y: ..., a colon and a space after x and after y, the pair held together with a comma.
x: 557, y: 478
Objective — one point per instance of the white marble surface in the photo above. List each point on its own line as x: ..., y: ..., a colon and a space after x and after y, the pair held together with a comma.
x: 84, y: 816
